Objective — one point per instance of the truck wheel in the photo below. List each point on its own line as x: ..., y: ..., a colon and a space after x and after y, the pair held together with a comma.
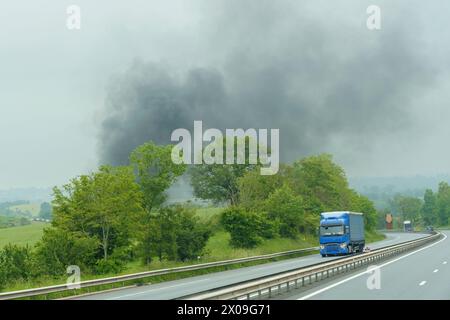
x: 324, y: 255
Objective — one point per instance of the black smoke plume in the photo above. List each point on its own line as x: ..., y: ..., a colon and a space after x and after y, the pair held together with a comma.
x: 329, y: 85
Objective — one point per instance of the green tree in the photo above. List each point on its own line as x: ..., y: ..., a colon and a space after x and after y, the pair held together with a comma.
x: 287, y: 208
x: 149, y: 246
x: 409, y: 208
x: 219, y: 182
x: 362, y: 204
x: 322, y: 184
x: 160, y: 236
x: 429, y: 208
x: 255, y: 188
x: 443, y: 203
x: 192, y: 235
x: 45, y: 211
x: 155, y: 172
x: 317, y: 180
x: 174, y: 233
x: 169, y: 224
x: 105, y: 205
x: 245, y: 227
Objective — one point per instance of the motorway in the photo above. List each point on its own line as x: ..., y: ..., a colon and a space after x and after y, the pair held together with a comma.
x: 421, y: 274
x: 182, y: 287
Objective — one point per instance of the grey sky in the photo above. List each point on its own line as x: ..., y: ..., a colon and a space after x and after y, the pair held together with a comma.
x: 54, y: 82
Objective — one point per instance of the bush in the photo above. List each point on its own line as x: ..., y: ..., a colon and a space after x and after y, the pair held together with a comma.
x: 245, y: 227
x: 116, y: 261
x: 284, y: 206
x: 109, y: 266
x: 175, y: 233
x: 269, y: 228
x: 16, y: 263
x: 3, y: 279
x: 168, y: 223
x: 57, y: 250
x: 191, y: 237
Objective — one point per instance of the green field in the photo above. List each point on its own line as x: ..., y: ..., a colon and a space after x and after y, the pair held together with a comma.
x: 22, y: 235
x: 208, y: 212
x: 32, y: 208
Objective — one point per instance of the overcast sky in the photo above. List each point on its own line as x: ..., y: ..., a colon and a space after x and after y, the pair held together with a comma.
x: 377, y: 100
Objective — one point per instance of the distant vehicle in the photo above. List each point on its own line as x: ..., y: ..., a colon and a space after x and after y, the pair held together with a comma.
x: 430, y: 228
x: 341, y: 232
x: 407, y: 226
x: 366, y: 249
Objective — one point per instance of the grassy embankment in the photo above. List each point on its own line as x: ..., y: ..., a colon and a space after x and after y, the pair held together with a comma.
x: 373, y: 236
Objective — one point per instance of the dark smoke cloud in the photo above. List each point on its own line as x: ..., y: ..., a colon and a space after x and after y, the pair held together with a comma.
x: 148, y: 103
x: 327, y: 84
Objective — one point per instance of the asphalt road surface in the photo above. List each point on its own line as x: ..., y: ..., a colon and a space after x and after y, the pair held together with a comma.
x: 178, y: 288
x: 421, y: 274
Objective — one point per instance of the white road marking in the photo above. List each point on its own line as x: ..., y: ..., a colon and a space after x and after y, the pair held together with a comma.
x: 422, y: 283
x: 435, y: 270
x: 154, y: 289
x: 445, y: 262
x: 367, y: 272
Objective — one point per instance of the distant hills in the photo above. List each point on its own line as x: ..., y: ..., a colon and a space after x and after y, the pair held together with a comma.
x: 405, y: 184
x: 382, y: 189
x: 28, y: 194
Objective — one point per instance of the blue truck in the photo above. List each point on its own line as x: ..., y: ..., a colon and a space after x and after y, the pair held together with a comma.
x: 341, y: 232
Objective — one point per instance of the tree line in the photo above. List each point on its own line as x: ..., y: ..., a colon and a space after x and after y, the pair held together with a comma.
x: 432, y: 209
x: 117, y: 214
x: 287, y: 204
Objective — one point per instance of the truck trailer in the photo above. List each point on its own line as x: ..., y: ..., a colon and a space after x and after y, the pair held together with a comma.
x: 341, y: 232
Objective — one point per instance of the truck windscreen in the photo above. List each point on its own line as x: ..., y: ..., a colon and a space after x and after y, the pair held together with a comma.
x: 337, y: 230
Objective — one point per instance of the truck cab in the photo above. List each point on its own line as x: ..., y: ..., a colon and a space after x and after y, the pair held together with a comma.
x: 341, y: 232
x: 407, y: 226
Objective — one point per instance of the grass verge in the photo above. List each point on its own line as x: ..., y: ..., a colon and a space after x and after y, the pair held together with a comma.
x: 373, y: 236
x: 160, y: 278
